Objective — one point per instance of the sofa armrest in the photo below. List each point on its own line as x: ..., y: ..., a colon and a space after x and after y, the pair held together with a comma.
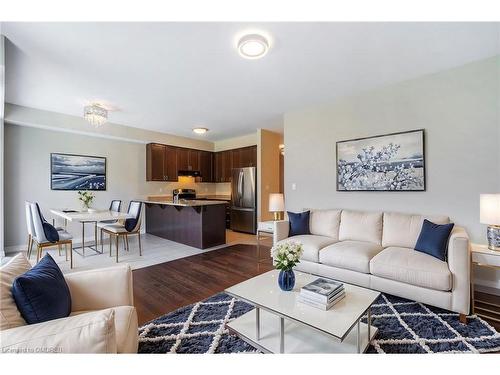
x: 86, y: 333
x: 459, y: 264
x: 101, y: 288
x: 280, y: 231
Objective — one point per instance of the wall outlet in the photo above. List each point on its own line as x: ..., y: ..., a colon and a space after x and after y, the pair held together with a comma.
x: 294, y: 186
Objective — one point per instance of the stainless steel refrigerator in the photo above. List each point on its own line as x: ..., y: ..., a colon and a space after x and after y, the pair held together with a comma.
x: 244, y: 200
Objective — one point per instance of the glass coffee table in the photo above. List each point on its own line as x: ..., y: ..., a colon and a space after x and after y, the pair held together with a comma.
x: 281, y: 324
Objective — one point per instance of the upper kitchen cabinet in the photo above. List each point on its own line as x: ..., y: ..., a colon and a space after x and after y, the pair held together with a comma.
x: 161, y: 162
x: 182, y: 159
x: 223, y: 164
x: 248, y: 156
x: 206, y: 166
x: 194, y: 160
x: 155, y: 160
x: 170, y: 164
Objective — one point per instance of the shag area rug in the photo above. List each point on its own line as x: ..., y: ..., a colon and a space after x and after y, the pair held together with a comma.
x: 404, y: 327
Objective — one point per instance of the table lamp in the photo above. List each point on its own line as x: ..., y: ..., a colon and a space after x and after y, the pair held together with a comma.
x: 276, y: 205
x: 490, y: 214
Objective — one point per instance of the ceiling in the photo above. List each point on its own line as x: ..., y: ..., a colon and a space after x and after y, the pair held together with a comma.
x: 171, y: 77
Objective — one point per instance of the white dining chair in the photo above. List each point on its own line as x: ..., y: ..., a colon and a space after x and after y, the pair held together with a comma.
x: 39, y: 237
x: 131, y: 226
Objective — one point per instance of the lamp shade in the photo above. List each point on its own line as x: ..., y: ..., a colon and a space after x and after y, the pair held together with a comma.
x: 490, y: 209
x: 276, y: 202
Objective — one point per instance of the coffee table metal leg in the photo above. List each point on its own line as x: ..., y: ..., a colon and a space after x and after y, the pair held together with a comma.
x: 282, y: 335
x: 257, y: 323
x: 369, y: 322
x: 358, y: 336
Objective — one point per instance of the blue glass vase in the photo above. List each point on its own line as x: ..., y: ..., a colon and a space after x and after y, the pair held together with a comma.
x: 286, y: 280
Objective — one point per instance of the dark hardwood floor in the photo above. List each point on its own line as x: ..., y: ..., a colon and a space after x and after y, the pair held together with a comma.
x: 165, y: 287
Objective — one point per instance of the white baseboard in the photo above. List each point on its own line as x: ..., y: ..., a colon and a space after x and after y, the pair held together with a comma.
x: 77, y: 241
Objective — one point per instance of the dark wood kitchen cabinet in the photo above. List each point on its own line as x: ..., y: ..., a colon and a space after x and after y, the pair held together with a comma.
x: 182, y: 159
x: 223, y: 165
x: 194, y: 160
x: 206, y: 166
x: 170, y: 163
x: 161, y: 162
x: 248, y: 156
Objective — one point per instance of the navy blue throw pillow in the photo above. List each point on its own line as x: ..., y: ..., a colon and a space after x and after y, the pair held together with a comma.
x: 433, y: 239
x: 41, y: 294
x: 299, y: 223
x: 50, y: 232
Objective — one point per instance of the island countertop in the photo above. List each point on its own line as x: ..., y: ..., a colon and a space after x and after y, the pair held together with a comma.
x: 185, y: 202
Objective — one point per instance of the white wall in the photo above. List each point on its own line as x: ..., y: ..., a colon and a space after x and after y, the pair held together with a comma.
x: 459, y: 110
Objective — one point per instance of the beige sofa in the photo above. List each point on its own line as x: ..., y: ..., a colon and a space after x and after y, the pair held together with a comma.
x: 103, y: 317
x: 376, y: 250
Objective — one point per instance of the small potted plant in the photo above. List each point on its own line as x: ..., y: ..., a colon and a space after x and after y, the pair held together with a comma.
x: 285, y: 256
x: 86, y: 197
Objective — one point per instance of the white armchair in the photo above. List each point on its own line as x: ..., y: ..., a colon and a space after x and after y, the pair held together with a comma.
x: 103, y: 318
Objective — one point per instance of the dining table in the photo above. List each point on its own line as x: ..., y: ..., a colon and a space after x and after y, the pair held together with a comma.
x: 88, y: 217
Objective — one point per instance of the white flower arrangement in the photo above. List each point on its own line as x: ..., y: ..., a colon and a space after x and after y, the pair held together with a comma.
x: 286, y: 254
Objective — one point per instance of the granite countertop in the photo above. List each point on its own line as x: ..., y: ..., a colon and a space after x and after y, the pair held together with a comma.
x: 165, y: 197
x: 184, y: 202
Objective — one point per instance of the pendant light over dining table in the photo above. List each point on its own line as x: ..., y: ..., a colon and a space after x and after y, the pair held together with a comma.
x: 95, y: 114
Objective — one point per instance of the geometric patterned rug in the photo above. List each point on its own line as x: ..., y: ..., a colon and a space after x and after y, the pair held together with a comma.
x: 404, y: 327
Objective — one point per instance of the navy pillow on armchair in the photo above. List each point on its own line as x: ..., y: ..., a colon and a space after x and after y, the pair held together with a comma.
x: 41, y: 294
x: 299, y: 223
x: 433, y: 239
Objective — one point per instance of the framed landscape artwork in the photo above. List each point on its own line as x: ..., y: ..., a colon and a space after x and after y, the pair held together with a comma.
x: 391, y: 162
x: 77, y: 172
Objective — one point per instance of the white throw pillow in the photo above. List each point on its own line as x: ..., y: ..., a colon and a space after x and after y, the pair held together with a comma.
x: 92, y: 332
x: 10, y: 317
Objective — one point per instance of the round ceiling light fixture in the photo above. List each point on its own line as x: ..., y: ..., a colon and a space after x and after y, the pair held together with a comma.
x: 200, y: 130
x: 253, y: 46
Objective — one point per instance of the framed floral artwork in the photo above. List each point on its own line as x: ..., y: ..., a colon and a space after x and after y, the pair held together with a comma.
x: 390, y: 162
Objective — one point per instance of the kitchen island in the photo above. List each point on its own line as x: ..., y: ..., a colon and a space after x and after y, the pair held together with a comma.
x: 197, y: 223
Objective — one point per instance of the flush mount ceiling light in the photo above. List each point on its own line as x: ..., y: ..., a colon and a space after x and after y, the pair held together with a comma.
x: 253, y: 46
x: 200, y: 130
x: 95, y: 114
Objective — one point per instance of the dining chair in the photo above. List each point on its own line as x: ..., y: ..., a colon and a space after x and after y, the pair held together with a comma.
x: 115, y: 207
x: 130, y: 226
x: 29, y: 227
x: 40, y: 226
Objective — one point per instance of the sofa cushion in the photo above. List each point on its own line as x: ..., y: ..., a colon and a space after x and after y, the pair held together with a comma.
x: 325, y: 223
x: 433, y: 239
x: 10, y: 316
x: 351, y: 255
x: 361, y: 226
x: 402, y: 230
x: 312, y: 244
x: 93, y: 332
x: 41, y: 294
x: 125, y: 327
x: 412, y: 267
x: 299, y: 223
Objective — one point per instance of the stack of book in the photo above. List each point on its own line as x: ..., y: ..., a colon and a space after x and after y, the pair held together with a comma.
x: 322, y: 293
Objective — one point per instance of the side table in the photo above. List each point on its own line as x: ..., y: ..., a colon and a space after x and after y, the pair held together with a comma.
x: 483, y: 257
x: 265, y: 229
